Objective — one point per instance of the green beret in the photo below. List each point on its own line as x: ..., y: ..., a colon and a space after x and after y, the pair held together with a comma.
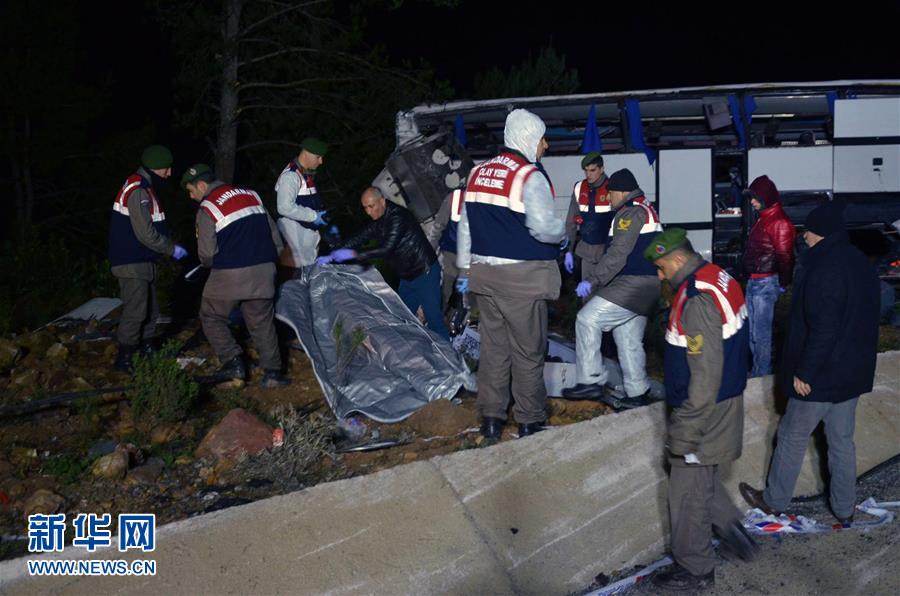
x: 157, y: 157
x: 314, y: 145
x: 665, y: 242
x: 592, y: 157
x: 193, y: 173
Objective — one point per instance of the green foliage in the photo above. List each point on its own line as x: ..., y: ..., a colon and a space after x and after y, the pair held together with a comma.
x: 345, y: 345
x: 41, y: 278
x: 545, y: 75
x: 66, y: 467
x: 162, y: 391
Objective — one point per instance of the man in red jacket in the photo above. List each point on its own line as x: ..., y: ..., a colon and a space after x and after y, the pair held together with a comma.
x: 769, y: 264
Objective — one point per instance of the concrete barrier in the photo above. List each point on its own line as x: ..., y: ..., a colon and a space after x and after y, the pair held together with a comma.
x: 538, y: 516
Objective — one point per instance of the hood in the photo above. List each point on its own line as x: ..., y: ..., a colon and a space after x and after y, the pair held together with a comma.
x: 523, y: 131
x: 765, y: 191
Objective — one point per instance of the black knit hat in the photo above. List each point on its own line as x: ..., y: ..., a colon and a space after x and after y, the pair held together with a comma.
x: 826, y: 219
x: 623, y: 181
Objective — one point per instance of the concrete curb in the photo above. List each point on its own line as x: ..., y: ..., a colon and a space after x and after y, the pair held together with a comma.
x: 542, y: 515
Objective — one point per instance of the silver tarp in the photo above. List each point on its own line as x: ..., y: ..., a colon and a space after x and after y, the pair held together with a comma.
x: 369, y: 352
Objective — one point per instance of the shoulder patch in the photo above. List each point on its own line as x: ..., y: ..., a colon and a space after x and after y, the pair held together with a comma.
x: 624, y: 224
x: 694, y: 344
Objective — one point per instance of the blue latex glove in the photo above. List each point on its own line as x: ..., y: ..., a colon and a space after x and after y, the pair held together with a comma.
x: 584, y: 289
x: 569, y: 262
x: 179, y: 252
x: 326, y: 260
x: 319, y: 220
x: 462, y: 285
x: 564, y: 244
x: 342, y: 255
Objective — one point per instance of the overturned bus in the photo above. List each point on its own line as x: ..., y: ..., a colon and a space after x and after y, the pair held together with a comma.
x: 692, y: 150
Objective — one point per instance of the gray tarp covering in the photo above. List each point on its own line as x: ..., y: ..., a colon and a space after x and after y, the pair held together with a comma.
x: 386, y: 365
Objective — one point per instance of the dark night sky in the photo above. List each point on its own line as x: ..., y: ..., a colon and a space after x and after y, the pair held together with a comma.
x: 614, y: 45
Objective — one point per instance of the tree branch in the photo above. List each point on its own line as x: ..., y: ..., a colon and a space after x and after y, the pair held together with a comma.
x: 268, y: 142
x: 275, y: 15
x: 298, y: 83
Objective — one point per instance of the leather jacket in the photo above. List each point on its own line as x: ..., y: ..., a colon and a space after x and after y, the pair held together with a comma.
x: 400, y: 241
x: 770, y: 246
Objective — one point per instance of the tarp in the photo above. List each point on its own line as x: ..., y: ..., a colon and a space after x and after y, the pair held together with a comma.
x: 369, y: 352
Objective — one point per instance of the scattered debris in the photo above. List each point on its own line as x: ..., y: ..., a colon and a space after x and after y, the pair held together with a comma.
x: 239, y: 433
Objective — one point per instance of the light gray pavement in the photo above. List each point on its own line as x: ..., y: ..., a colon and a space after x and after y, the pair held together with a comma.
x: 543, y: 515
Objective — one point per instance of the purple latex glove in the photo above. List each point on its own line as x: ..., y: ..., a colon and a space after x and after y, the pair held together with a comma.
x: 179, y: 252
x: 584, y: 289
x: 342, y: 255
x: 326, y: 260
x: 569, y: 262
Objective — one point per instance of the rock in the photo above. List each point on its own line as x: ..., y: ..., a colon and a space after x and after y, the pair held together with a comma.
x: 410, y: 456
x: 25, y: 378
x: 78, y: 384
x: 125, y: 426
x: 238, y: 433
x: 43, y: 501
x: 22, y: 456
x: 110, y: 352
x: 111, y: 466
x: 164, y: 433
x: 37, y: 343
x: 102, y: 448
x: 57, y: 352
x: 184, y: 461
x: 146, y: 474
x: 9, y: 353
x: 441, y: 418
x: 58, y: 380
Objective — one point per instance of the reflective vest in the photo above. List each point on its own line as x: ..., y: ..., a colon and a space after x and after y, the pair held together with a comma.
x: 636, y: 264
x: 448, y: 238
x: 124, y: 247
x: 729, y: 300
x: 243, y: 235
x: 594, y: 211
x: 496, y: 210
x: 307, y: 195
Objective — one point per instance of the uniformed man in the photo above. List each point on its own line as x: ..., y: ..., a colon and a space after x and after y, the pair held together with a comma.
x: 591, y: 214
x: 239, y: 242
x: 622, y: 292
x: 138, y: 236
x: 508, y: 241
x: 707, y: 348
x: 299, y: 203
x: 442, y: 236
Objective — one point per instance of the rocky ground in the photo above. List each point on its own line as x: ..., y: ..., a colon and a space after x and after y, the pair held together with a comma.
x: 94, y: 456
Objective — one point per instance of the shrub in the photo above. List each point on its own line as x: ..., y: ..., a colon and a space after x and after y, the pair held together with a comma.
x: 161, y: 391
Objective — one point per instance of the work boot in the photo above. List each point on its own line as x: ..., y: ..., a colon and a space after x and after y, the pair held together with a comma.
x: 123, y: 358
x: 530, y: 428
x: 273, y: 378
x: 626, y: 403
x: 680, y: 579
x: 755, y: 499
x: 233, y: 369
x: 736, y: 540
x: 584, y: 391
x: 491, y: 428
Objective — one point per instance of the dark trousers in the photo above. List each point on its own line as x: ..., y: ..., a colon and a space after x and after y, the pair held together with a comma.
x: 259, y: 318
x: 697, y: 502
x: 513, y: 340
x: 425, y: 291
x: 140, y: 310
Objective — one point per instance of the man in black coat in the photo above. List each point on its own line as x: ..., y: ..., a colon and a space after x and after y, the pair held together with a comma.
x: 829, y: 361
x: 399, y: 240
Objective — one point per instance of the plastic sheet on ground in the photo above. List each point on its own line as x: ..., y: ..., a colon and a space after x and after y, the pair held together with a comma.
x: 95, y: 308
x: 369, y: 352
x: 758, y: 522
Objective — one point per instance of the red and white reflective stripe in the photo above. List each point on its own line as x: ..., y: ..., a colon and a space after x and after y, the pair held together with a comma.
x: 456, y: 205
x: 120, y: 204
x: 597, y: 208
x: 513, y: 202
x: 222, y: 221
x: 652, y: 226
x: 307, y: 186
x: 582, y: 197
